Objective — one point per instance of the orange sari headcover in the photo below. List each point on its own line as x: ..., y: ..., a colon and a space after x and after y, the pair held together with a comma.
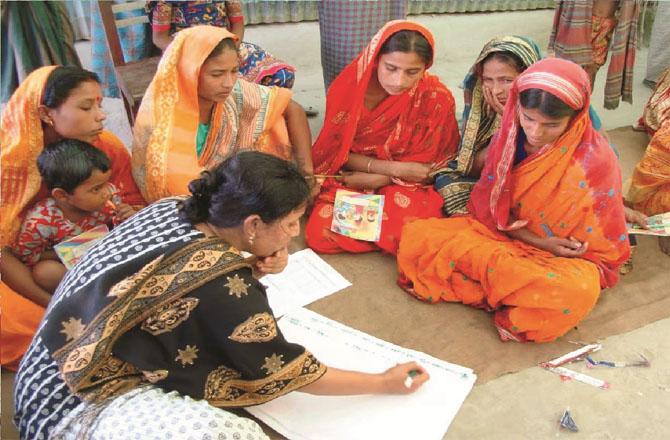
x: 164, y: 136
x: 569, y: 188
x: 22, y: 141
x: 657, y: 110
x: 414, y: 126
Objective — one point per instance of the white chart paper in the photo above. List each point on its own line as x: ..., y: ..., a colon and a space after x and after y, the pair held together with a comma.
x: 425, y: 415
x: 307, y: 278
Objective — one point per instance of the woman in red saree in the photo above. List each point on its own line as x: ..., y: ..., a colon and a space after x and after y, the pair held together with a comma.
x: 545, y: 230
x: 388, y: 124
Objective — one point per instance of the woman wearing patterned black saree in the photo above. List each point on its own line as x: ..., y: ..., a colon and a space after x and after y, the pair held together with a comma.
x: 164, y: 317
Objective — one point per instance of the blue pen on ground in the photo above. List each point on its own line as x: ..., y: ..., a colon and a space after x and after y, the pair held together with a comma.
x: 643, y: 362
x: 410, y: 378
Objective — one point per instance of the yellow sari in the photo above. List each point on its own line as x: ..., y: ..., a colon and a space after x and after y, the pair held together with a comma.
x: 164, y: 137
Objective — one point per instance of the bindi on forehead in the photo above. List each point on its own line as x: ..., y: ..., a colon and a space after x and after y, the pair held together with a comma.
x: 88, y: 90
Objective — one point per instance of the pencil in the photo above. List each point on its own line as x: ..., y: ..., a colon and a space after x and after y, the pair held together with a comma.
x: 325, y: 176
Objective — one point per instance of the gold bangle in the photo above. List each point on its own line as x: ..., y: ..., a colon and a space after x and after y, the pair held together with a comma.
x: 369, y: 164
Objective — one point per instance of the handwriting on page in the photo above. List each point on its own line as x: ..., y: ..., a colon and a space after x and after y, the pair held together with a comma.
x: 425, y: 414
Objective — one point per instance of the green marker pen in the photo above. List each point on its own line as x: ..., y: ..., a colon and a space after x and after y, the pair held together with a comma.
x: 410, y: 377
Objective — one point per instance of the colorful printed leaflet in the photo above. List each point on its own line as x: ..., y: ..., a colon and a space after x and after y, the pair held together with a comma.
x: 357, y: 215
x: 658, y: 225
x: 70, y: 251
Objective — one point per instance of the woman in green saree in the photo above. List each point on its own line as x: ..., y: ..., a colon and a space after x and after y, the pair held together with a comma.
x: 485, y: 90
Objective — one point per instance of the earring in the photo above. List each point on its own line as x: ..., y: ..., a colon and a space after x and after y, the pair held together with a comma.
x: 252, y: 237
x: 49, y: 122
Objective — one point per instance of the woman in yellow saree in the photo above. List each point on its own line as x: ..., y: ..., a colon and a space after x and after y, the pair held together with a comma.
x: 196, y: 112
x: 545, y: 230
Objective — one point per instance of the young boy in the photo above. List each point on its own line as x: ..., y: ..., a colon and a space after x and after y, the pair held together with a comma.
x: 77, y: 175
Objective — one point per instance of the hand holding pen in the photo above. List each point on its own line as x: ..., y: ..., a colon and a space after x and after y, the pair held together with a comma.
x: 316, y: 180
x: 399, y: 377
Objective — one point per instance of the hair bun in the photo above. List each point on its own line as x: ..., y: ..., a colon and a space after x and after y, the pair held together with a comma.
x: 244, y: 184
x: 203, y: 187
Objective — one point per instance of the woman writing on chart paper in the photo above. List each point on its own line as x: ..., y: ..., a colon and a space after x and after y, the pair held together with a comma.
x: 177, y: 325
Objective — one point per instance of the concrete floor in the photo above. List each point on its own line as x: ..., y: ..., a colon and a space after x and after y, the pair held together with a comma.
x: 459, y: 39
x: 526, y: 403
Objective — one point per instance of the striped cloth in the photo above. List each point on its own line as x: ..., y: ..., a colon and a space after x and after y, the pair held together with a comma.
x: 619, y: 83
x: 34, y: 34
x: 346, y: 27
x: 284, y: 11
x: 572, y: 39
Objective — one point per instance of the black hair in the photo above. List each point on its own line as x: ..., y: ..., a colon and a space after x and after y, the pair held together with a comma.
x: 62, y: 81
x: 545, y: 102
x: 408, y: 41
x: 68, y: 163
x: 226, y: 43
x: 509, y: 58
x: 245, y: 184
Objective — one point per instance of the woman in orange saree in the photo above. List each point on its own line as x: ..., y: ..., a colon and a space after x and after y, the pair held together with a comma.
x: 50, y: 104
x: 650, y: 188
x: 196, y: 112
x: 545, y: 230
x: 388, y: 124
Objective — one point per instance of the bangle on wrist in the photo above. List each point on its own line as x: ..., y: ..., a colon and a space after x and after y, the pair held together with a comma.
x: 369, y: 164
